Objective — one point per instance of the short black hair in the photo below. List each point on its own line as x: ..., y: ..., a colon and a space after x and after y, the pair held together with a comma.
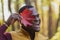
x: 22, y: 9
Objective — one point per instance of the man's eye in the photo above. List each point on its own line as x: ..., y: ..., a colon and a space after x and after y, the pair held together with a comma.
x: 39, y: 21
x: 35, y: 20
x: 37, y: 15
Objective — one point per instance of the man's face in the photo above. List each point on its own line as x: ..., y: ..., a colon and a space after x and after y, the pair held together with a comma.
x: 36, y: 21
x: 32, y: 20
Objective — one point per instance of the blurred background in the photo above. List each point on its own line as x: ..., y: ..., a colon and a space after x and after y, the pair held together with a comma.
x: 49, y: 12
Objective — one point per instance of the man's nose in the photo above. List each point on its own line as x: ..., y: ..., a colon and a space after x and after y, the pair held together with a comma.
x: 37, y: 18
x: 36, y: 21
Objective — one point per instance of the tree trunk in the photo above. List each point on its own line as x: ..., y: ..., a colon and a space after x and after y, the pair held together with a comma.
x: 9, y: 7
x: 27, y: 2
x: 53, y: 17
x: 2, y: 10
x: 16, y: 6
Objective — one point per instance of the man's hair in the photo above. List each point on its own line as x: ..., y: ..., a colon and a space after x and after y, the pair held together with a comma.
x: 22, y: 9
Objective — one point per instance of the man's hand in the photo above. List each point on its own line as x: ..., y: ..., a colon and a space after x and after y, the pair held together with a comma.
x: 12, y: 19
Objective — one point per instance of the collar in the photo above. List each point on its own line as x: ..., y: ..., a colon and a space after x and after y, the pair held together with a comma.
x: 24, y: 33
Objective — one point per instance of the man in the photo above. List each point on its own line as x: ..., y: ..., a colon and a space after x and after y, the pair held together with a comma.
x: 30, y: 21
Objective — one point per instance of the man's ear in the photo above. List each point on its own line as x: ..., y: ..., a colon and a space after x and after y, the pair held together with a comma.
x: 19, y: 13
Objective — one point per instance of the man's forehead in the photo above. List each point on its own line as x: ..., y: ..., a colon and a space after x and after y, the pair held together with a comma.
x: 34, y: 11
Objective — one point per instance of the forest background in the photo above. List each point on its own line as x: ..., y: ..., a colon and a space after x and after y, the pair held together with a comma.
x: 49, y: 12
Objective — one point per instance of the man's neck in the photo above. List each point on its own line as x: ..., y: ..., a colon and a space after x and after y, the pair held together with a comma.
x: 32, y: 33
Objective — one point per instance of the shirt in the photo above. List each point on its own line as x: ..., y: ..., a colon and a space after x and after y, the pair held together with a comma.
x: 18, y: 35
x: 3, y: 35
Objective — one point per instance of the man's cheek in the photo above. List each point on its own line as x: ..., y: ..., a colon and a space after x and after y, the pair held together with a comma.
x: 25, y: 22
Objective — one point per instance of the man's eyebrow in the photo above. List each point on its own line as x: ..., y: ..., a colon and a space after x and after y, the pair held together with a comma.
x: 36, y: 15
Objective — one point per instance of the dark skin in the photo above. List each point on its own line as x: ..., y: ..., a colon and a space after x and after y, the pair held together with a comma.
x: 31, y: 29
x: 32, y: 33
